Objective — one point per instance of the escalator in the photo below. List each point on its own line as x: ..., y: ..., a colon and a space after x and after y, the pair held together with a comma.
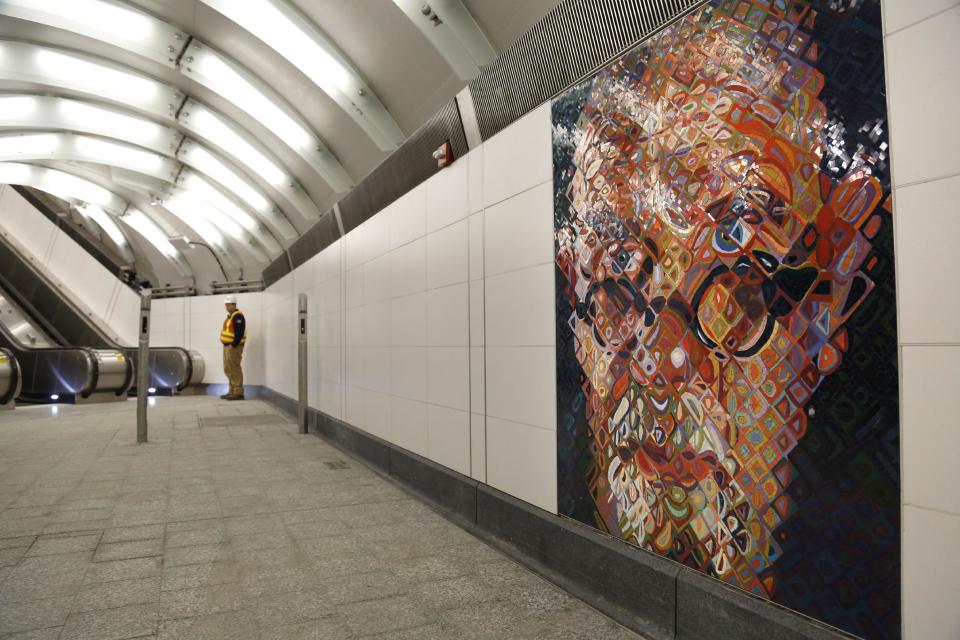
x: 47, y: 371
x: 10, y: 379
x: 172, y: 369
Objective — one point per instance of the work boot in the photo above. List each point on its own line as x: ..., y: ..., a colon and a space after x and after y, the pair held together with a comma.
x: 235, y: 397
x: 225, y: 396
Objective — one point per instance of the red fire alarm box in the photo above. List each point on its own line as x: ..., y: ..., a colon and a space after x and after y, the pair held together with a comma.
x: 444, y: 154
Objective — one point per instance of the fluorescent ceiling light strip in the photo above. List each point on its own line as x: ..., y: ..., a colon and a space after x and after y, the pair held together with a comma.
x: 116, y: 23
x: 81, y: 148
x: 205, y: 162
x: 225, y: 215
x: 49, y: 112
x: 191, y: 213
x: 224, y: 77
x: 61, y: 184
x: 150, y: 232
x: 210, y: 126
x: 285, y: 31
x: 104, y: 221
x: 96, y: 77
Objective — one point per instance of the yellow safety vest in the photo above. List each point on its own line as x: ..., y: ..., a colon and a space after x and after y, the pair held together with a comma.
x: 227, y: 334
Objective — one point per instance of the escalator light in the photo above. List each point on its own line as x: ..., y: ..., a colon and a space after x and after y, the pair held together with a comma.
x: 54, y: 396
x: 151, y: 390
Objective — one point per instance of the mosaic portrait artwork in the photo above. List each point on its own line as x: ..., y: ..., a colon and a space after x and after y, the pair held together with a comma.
x: 726, y: 324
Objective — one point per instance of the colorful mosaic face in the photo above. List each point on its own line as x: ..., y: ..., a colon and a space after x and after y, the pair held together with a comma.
x: 717, y: 228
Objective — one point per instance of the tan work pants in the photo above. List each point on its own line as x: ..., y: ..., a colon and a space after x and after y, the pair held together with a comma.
x: 231, y: 367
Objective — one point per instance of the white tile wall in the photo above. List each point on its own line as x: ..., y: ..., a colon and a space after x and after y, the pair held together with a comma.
x: 931, y: 590
x: 519, y: 459
x: 521, y: 385
x: 922, y: 72
x: 898, y: 14
x: 922, y: 50
x: 448, y: 437
x: 931, y: 436
x: 924, y: 258
x: 519, y: 157
x: 401, y: 309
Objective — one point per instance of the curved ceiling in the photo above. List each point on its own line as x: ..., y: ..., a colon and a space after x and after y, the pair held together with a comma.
x: 231, y: 123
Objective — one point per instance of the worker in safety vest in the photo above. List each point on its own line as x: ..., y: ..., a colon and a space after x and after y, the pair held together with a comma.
x: 233, y: 336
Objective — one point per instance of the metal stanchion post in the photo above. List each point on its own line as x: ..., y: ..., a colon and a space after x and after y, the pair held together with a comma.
x: 302, y: 361
x: 143, y: 368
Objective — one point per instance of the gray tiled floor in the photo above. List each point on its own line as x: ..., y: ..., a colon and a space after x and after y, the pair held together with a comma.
x: 234, y: 532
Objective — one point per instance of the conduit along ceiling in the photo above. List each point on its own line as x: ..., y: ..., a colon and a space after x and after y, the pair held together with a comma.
x: 181, y: 131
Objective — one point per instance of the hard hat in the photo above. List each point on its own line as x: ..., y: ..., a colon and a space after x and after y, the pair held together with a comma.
x: 230, y: 300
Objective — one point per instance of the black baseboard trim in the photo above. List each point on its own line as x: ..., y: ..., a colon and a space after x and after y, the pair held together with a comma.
x: 655, y: 597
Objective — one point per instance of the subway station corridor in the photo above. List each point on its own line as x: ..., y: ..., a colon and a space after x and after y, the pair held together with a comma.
x: 229, y: 524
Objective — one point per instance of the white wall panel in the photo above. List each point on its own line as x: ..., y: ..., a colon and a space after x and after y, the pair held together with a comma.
x: 522, y: 461
x: 519, y: 157
x: 447, y: 196
x: 519, y: 231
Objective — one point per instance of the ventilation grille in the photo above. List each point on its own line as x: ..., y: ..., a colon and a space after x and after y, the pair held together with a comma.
x: 321, y: 235
x: 568, y: 44
x: 276, y: 269
x: 407, y: 167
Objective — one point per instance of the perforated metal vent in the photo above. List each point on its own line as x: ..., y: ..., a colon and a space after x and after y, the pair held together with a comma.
x: 276, y: 269
x: 568, y: 44
x: 321, y: 235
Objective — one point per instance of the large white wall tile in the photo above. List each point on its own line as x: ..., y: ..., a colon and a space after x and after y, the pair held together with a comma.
x: 376, y: 369
x: 376, y: 324
x: 377, y: 413
x: 931, y: 405
x: 354, y: 409
x: 448, y: 255
x: 519, y: 231
x: 931, y: 575
x: 448, y: 316
x: 354, y: 367
x: 446, y: 194
x: 898, y: 14
x: 353, y: 333
x: 922, y: 98
x: 409, y: 321
x: 378, y: 279
x: 924, y: 259
x: 519, y: 307
x: 408, y: 372
x: 521, y: 385
x: 353, y: 287
x: 519, y: 157
x: 408, y: 425
x: 408, y: 268
x: 448, y: 434
x: 522, y: 461
x: 408, y: 219
x: 448, y: 377
x: 376, y: 235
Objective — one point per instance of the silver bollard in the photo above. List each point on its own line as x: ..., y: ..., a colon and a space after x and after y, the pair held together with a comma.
x: 143, y: 368
x: 302, y: 361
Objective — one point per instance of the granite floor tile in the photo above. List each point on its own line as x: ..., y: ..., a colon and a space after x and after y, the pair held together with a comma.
x: 34, y: 614
x: 240, y: 532
x: 119, y: 593
x: 111, y: 624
